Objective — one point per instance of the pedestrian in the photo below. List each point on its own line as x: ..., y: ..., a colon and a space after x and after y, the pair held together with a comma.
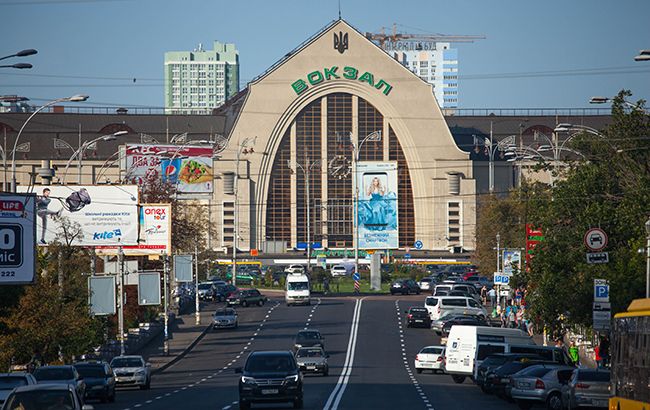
x: 518, y: 296
x: 599, y: 359
x: 493, y: 296
x: 574, y: 353
x: 603, y: 349
x: 529, y: 327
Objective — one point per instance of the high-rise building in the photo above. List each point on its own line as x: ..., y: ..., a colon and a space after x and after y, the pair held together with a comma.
x: 200, y: 80
x: 436, y: 64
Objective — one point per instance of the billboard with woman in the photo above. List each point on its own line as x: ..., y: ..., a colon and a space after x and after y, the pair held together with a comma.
x: 377, y: 208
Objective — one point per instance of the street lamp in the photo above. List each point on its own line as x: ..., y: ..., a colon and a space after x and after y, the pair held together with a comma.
x: 22, y: 53
x: 647, y: 257
x: 502, y: 145
x: 241, y: 149
x: 79, y: 152
x: 306, y: 169
x: 644, y: 55
x: 373, y: 136
x: 603, y: 100
x: 74, y: 98
x: 17, y: 65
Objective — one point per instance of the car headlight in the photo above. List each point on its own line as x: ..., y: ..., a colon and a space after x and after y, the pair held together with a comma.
x: 247, y: 380
x: 292, y: 379
x: 140, y: 373
x: 298, y: 346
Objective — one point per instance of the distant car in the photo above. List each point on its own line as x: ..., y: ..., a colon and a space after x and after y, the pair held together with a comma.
x: 9, y: 381
x: 338, y: 270
x: 308, y: 338
x: 99, y: 379
x: 469, y: 274
x: 463, y: 321
x: 497, y: 379
x: 45, y: 396
x: 206, y: 291
x: 430, y: 358
x: 437, y: 324
x: 479, y: 282
x: 417, y: 316
x: 225, y: 318
x: 496, y: 360
x: 245, y: 298
x: 312, y: 360
x: 65, y: 374
x: 223, y: 292
x: 587, y: 388
x: 541, y: 384
x: 270, y: 377
x: 426, y: 283
x: 132, y: 370
x: 295, y: 269
x: 404, y: 286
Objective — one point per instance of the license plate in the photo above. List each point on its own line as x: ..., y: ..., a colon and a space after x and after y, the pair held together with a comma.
x: 524, y: 384
x: 311, y: 367
x: 418, y: 320
x: 270, y: 391
x: 600, y: 403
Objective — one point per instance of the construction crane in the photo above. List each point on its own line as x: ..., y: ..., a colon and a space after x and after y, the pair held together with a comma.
x: 382, y: 38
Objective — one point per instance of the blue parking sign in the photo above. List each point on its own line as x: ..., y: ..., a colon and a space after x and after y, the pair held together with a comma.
x: 356, y: 276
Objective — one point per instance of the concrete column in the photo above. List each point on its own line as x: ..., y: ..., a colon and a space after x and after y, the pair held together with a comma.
x: 384, y: 139
x: 294, y: 186
x: 324, y: 169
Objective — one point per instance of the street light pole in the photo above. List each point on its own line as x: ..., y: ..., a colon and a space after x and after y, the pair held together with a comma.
x: 79, y: 152
x: 166, y: 306
x: 491, y: 157
x: 647, y: 256
x: 120, y: 290
x: 235, y: 239
x: 74, y: 98
x: 197, y: 313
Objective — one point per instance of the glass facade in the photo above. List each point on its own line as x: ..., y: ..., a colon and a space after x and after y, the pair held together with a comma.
x: 331, y: 211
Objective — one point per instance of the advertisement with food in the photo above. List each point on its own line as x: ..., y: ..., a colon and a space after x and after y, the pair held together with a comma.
x: 189, y: 168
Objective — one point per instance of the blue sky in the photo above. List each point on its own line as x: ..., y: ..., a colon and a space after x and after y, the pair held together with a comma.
x: 551, y: 53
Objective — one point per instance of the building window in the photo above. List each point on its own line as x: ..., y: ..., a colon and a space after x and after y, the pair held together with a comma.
x: 454, y: 225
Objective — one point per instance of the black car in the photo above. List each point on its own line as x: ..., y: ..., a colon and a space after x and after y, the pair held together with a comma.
x: 246, y: 298
x: 405, y: 287
x: 99, y: 379
x: 417, y: 316
x: 497, y: 380
x: 464, y: 321
x: 495, y: 360
x: 309, y: 338
x: 223, y: 292
x: 270, y: 377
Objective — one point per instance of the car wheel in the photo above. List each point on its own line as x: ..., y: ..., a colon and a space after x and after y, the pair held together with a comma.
x: 417, y: 292
x: 244, y: 405
x: 524, y: 404
x: 111, y: 398
x: 418, y: 371
x: 485, y: 390
x: 554, y: 402
x: 297, y: 404
x: 260, y: 303
x: 244, y: 303
x: 103, y: 399
x: 458, y: 379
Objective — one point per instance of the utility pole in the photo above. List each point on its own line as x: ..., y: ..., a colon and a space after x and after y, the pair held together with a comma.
x: 498, y: 266
x: 308, y: 168
x: 241, y: 149
x: 166, y: 305
x: 120, y: 291
x: 197, y: 314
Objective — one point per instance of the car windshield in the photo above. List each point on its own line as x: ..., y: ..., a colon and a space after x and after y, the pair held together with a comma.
x: 309, y: 336
x: 262, y: 363
x: 534, y: 371
x: 204, y: 286
x: 593, y: 376
x: 41, y: 399
x: 126, y: 362
x: 431, y: 301
x: 53, y: 374
x: 224, y: 312
x: 432, y: 350
x: 425, y: 280
x: 310, y: 353
x: 91, y: 371
x: 298, y: 286
x: 10, y: 382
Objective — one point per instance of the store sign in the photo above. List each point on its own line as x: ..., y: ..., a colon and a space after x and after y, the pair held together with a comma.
x: 17, y: 235
x: 333, y: 73
x: 155, y: 235
x: 86, y: 215
x: 377, y: 222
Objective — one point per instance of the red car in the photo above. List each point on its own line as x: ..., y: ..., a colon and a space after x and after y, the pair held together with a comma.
x: 469, y: 274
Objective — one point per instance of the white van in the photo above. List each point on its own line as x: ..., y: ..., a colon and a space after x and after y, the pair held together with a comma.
x: 298, y: 289
x: 467, y: 346
x: 438, y: 305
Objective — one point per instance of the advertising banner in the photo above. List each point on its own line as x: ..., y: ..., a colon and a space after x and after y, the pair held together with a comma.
x: 155, y: 233
x: 101, y: 290
x: 183, y: 268
x: 17, y: 235
x: 511, y: 261
x: 187, y: 167
x: 149, y: 288
x: 377, y: 206
x: 87, y: 215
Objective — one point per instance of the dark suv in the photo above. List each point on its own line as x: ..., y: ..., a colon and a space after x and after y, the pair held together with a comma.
x: 404, y: 286
x: 308, y: 338
x: 247, y: 298
x: 417, y: 316
x: 270, y: 377
x: 99, y: 379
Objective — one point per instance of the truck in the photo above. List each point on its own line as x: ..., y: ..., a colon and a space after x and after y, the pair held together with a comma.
x: 297, y: 289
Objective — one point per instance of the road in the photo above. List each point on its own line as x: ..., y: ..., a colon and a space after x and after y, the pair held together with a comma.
x: 371, y: 361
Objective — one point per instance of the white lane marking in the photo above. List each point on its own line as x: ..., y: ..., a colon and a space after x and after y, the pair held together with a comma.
x: 336, y: 395
x: 149, y: 401
x: 138, y: 405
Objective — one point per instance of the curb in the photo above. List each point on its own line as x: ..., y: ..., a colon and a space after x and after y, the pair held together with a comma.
x: 183, y: 353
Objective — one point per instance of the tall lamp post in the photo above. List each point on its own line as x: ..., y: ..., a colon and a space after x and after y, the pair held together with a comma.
x: 604, y: 100
x: 373, y: 136
x: 74, y: 98
x: 306, y: 169
x: 644, y: 55
x: 79, y: 152
x: 493, y: 148
x: 241, y: 149
x: 647, y: 257
x: 21, y: 53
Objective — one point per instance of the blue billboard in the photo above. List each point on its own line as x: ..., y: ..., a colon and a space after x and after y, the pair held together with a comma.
x: 377, y: 221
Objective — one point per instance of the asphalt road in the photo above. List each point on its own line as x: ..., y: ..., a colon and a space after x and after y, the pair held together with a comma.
x: 371, y: 361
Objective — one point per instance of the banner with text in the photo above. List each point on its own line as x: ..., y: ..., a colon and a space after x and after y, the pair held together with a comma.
x: 155, y: 233
x: 377, y: 220
x: 86, y: 215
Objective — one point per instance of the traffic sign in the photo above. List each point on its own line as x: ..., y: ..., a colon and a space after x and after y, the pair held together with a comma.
x: 356, y: 276
x: 17, y: 239
x: 501, y: 279
x: 597, y: 257
x: 407, y: 256
x: 601, y: 290
x: 595, y: 239
x: 602, y: 319
x: 418, y: 245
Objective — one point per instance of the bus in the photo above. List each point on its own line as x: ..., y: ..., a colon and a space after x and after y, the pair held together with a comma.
x: 630, y: 353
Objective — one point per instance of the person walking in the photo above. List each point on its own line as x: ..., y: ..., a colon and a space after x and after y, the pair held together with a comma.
x: 492, y: 293
x: 484, y: 295
x: 574, y: 353
x: 603, y: 349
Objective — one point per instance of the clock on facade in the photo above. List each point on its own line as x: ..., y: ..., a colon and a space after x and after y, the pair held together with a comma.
x: 340, y: 167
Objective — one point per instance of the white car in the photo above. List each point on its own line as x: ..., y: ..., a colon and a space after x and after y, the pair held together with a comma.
x: 9, y: 381
x: 430, y: 358
x: 132, y: 370
x: 339, y: 270
x: 425, y: 283
x: 295, y: 269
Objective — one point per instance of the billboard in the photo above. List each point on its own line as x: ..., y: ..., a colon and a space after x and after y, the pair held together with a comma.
x: 101, y: 298
x: 17, y: 236
x: 155, y: 233
x: 86, y: 215
x: 511, y: 261
x: 149, y: 288
x: 377, y: 221
x: 187, y: 167
x: 183, y: 268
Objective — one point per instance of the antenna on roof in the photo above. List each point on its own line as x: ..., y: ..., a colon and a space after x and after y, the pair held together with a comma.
x: 339, y: 9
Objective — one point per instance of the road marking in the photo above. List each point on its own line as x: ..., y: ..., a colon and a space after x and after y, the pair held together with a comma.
x: 336, y: 395
x: 149, y: 401
x: 138, y: 405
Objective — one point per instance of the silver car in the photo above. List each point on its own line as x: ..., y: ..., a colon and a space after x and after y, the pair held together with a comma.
x: 224, y: 318
x: 46, y: 396
x: 131, y: 370
x: 539, y: 384
x: 66, y: 375
x: 312, y: 360
x: 9, y: 381
x: 587, y: 388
